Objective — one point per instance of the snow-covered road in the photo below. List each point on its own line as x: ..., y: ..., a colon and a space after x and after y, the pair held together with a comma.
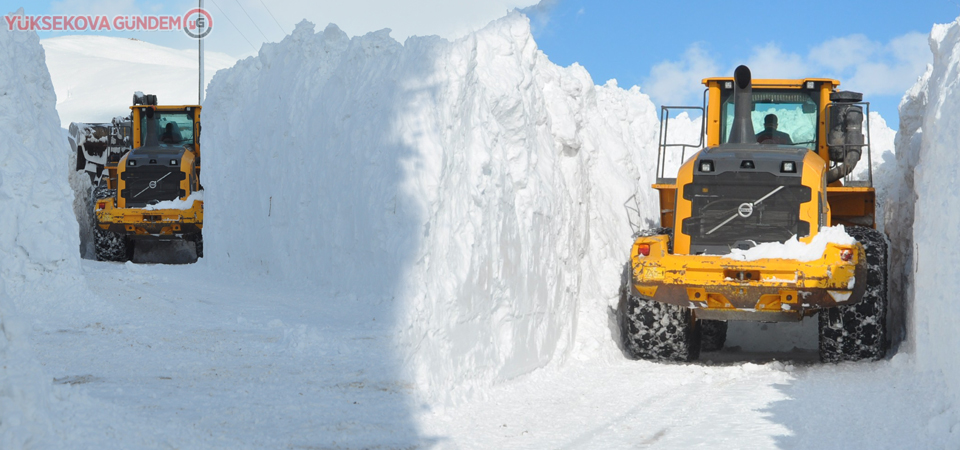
x: 179, y: 357
x: 201, y: 361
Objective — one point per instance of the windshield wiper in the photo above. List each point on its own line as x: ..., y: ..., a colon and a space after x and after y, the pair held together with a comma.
x: 746, y: 209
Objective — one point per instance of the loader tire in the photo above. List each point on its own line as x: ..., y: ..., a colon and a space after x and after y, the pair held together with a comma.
x: 859, y: 331
x: 101, y: 192
x: 657, y: 331
x: 109, y: 246
x: 713, y: 334
x: 198, y: 242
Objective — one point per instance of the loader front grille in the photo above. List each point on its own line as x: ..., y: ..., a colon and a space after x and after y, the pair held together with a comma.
x: 151, y: 184
x: 737, y: 209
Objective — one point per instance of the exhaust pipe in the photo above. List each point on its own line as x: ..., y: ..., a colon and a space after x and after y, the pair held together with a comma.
x: 742, y: 131
x: 153, y: 136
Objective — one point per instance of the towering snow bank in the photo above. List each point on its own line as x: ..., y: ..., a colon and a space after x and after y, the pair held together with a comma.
x: 930, y: 137
x: 39, y: 242
x: 471, y: 189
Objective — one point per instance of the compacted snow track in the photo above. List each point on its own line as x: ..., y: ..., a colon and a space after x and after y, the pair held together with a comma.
x: 210, y: 362
x: 180, y: 357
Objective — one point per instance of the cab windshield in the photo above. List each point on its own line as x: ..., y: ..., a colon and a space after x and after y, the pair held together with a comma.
x: 173, y: 128
x: 795, y: 113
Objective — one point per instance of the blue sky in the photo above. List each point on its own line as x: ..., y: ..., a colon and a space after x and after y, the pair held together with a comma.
x: 877, y: 47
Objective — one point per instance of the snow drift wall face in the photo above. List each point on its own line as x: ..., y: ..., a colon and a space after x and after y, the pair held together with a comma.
x: 933, y: 106
x: 39, y: 242
x: 40, y: 235
x: 472, y: 189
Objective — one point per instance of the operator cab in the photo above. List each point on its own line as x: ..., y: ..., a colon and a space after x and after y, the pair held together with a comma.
x: 174, y: 128
x: 775, y: 113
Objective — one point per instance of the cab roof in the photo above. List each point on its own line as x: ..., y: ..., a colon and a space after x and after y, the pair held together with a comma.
x: 166, y: 107
x: 775, y: 82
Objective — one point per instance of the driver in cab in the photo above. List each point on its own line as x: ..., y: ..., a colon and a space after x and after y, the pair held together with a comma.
x: 770, y: 135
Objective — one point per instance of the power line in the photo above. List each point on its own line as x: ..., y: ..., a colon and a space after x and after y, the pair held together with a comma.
x: 251, y: 20
x: 274, y: 18
x: 234, y: 25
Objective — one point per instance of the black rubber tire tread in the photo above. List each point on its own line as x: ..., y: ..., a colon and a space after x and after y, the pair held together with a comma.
x: 110, y: 246
x: 657, y: 331
x: 652, y: 330
x: 198, y: 242
x: 101, y: 192
x: 859, y: 332
x: 713, y: 334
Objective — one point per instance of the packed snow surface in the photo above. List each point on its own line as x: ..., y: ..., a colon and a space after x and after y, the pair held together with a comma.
x: 794, y: 249
x: 420, y: 245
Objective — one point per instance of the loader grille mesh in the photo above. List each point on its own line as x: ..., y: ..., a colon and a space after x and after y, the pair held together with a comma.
x: 139, y: 192
x: 721, y: 218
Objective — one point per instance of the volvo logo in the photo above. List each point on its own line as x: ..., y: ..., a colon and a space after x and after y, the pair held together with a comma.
x: 745, y: 210
x: 153, y: 185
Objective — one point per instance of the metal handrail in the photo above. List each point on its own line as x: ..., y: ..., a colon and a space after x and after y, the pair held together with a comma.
x: 662, y: 141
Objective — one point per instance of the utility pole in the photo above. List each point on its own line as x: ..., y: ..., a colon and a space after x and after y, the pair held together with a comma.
x: 200, y: 26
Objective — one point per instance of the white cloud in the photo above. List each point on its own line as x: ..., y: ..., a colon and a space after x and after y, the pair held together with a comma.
x: 770, y: 61
x: 842, y: 53
x: 678, y: 82
x: 897, y: 67
x: 862, y: 65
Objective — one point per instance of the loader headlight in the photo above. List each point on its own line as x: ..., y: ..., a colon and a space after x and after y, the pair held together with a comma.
x: 788, y: 167
x: 131, y: 162
x: 706, y: 166
x: 173, y: 162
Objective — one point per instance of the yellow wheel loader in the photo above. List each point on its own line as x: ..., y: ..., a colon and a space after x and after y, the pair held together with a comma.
x: 151, y: 191
x: 745, y: 188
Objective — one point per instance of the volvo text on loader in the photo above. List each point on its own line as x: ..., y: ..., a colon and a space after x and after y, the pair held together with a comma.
x: 745, y: 188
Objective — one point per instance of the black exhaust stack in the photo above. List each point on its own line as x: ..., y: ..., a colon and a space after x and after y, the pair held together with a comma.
x: 153, y: 137
x: 742, y: 131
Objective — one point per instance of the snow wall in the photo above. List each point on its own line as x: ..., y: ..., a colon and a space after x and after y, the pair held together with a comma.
x: 472, y: 187
x: 39, y: 242
x: 924, y: 228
